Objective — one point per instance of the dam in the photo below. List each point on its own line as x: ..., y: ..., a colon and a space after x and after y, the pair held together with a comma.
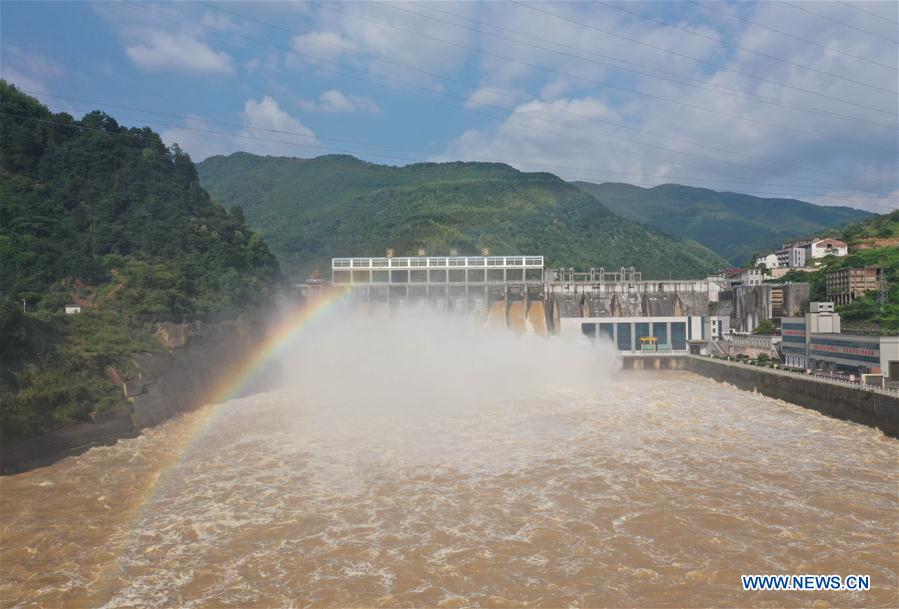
x: 519, y: 292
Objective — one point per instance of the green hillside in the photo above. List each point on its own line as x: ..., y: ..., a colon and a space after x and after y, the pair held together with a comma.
x: 735, y: 226
x: 310, y: 210
x: 109, y: 218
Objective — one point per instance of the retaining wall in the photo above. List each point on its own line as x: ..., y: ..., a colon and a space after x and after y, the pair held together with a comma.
x: 847, y: 402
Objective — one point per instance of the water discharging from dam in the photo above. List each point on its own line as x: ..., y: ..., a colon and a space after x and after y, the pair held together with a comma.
x: 425, y: 463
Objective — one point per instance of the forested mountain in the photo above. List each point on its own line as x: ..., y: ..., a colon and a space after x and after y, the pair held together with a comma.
x: 310, y: 210
x: 104, y: 216
x: 92, y: 203
x: 732, y: 225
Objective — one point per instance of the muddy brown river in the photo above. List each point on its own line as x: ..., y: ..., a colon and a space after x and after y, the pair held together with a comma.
x: 657, y: 490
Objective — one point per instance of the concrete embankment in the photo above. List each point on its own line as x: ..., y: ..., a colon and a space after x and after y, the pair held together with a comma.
x: 199, y: 357
x: 843, y: 401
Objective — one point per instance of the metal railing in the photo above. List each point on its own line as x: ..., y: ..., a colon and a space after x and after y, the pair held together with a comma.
x: 439, y: 262
x: 795, y: 373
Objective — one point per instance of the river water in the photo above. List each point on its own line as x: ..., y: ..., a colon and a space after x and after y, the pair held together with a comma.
x: 644, y: 489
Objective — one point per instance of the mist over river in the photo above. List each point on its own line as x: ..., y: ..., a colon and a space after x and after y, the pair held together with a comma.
x: 429, y: 464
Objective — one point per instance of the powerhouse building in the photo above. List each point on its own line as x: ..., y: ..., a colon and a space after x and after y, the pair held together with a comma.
x: 814, y: 342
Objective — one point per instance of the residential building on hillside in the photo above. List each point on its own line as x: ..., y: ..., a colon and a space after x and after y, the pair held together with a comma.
x: 770, y: 261
x: 845, y: 285
x: 796, y: 253
x: 799, y: 241
x: 791, y: 257
x: 744, y: 277
x: 826, y: 247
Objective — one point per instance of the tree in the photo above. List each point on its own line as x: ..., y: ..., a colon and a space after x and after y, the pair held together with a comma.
x: 766, y: 326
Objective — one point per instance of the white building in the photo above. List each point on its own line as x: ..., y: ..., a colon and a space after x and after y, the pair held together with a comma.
x: 668, y: 333
x: 717, y: 326
x: 747, y: 277
x: 791, y: 257
x: 798, y: 253
x: 768, y: 262
x: 826, y: 247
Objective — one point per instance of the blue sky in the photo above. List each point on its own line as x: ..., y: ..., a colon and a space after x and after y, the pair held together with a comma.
x: 774, y: 98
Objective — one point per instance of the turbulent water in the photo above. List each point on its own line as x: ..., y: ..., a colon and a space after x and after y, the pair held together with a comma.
x: 644, y: 490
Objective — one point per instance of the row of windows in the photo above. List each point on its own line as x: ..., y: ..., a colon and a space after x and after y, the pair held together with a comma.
x: 628, y: 335
x: 874, y: 345
x: 852, y: 356
x: 340, y: 263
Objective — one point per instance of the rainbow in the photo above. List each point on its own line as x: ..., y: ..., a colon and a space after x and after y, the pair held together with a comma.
x: 278, y: 339
x: 234, y: 381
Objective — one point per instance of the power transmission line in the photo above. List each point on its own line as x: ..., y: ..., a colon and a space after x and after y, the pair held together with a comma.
x: 374, y: 145
x: 142, y: 136
x: 575, y: 76
x: 855, y: 6
x: 782, y: 33
x: 448, y: 79
x: 837, y: 21
x: 368, y: 78
x: 736, y: 46
x: 679, y: 79
x: 684, y: 55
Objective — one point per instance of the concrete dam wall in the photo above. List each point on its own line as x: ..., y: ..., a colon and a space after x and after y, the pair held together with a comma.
x: 200, y: 356
x: 846, y: 402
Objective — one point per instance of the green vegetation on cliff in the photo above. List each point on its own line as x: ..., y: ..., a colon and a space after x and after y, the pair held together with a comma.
x: 310, y: 210
x: 732, y: 225
x: 108, y: 217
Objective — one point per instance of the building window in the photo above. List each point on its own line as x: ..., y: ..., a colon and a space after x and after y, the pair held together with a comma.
x: 624, y: 337
x: 642, y: 331
x: 660, y: 331
x: 679, y: 336
x: 588, y: 330
x: 608, y: 331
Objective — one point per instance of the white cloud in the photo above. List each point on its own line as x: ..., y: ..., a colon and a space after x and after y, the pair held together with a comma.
x: 27, y: 69
x: 381, y: 39
x: 673, y: 140
x: 269, y: 130
x: 161, y: 51
x: 494, y: 97
x: 335, y: 102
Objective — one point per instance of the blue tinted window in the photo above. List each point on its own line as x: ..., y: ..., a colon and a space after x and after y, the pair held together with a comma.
x: 660, y: 331
x: 678, y: 336
x: 624, y: 337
